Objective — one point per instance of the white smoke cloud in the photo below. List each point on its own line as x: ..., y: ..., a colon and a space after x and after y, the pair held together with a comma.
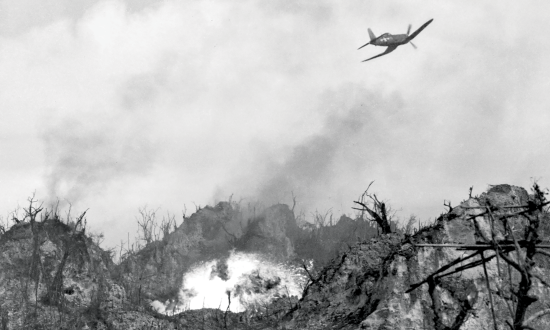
x: 113, y: 105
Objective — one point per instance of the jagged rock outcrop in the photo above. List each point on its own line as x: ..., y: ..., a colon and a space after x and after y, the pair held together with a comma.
x: 45, y: 267
x: 365, y: 288
x: 271, y: 233
x: 159, y: 266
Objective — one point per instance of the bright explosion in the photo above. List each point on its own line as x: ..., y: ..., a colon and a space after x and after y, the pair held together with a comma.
x: 249, y: 279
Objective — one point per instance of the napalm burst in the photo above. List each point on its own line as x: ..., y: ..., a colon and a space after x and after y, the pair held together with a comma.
x: 249, y: 279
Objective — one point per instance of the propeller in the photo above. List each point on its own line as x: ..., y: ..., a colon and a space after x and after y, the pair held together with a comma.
x: 409, y: 31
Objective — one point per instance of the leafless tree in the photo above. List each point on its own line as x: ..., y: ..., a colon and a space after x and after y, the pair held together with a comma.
x: 147, y: 224
x: 168, y: 224
x: 376, y: 209
x: 320, y: 219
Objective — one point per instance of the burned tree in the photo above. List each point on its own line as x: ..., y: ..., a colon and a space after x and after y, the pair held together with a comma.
x: 377, y: 211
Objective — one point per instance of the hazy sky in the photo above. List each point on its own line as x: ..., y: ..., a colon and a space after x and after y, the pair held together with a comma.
x: 113, y: 105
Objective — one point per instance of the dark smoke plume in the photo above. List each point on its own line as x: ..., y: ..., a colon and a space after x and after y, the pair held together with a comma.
x: 84, y: 155
x: 358, y: 132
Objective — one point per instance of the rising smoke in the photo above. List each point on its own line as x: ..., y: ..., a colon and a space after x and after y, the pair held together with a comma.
x: 357, y: 132
x: 85, y: 154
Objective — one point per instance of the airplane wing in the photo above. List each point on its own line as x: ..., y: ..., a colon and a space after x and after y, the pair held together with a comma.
x: 388, y: 50
x: 415, y: 33
x: 363, y: 45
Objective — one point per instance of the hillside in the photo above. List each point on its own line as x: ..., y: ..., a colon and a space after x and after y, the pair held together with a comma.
x: 271, y: 272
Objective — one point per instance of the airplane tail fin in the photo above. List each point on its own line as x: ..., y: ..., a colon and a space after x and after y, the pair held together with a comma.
x: 372, y: 38
x: 371, y: 35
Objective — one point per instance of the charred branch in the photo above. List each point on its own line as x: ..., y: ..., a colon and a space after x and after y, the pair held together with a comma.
x: 489, y: 291
x: 535, y: 316
x: 378, y: 211
x: 448, y: 205
x: 380, y: 218
x: 442, y: 269
x: 525, y: 247
x: 507, y: 244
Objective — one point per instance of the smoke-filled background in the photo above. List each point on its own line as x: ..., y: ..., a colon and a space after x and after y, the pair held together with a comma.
x: 113, y: 105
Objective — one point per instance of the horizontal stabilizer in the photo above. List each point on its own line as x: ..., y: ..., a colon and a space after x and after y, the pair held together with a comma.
x: 372, y: 38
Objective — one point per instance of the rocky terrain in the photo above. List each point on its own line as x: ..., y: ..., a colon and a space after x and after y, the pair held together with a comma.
x: 366, y: 287
x: 54, y: 276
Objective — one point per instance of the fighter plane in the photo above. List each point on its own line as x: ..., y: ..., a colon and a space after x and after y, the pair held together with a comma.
x: 392, y: 41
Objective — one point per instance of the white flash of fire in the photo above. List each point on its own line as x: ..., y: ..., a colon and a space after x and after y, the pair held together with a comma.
x: 250, y: 279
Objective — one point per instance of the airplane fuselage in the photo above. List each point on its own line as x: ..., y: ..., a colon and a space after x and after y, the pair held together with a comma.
x: 387, y: 39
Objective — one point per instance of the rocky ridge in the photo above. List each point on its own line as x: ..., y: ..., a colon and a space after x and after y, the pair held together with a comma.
x: 53, y: 276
